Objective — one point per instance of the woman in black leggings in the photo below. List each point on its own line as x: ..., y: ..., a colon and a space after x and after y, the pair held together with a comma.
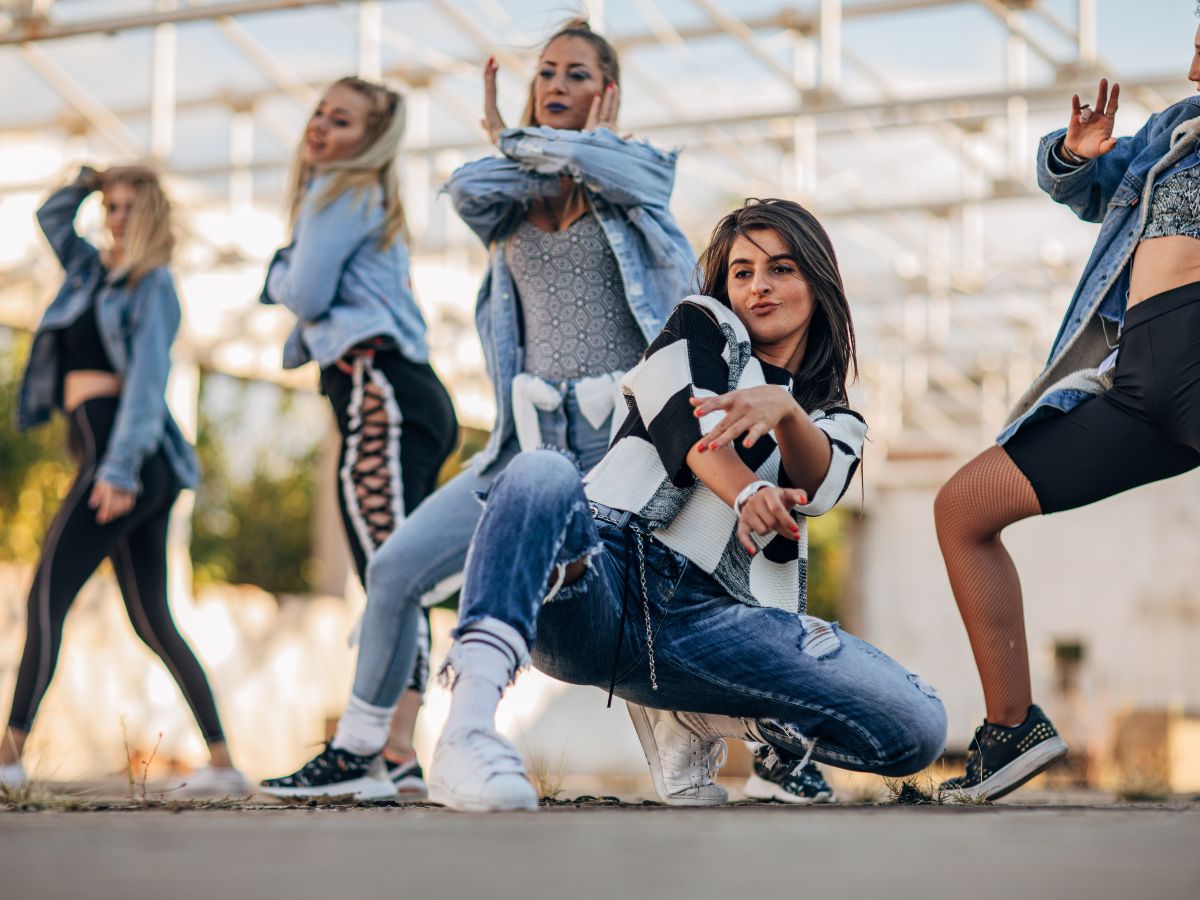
x: 102, y: 356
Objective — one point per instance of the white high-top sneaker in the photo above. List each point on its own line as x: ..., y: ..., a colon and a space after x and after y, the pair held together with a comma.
x: 477, y: 770
x: 682, y: 762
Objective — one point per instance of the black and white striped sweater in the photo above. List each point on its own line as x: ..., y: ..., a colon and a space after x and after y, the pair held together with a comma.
x: 703, y: 351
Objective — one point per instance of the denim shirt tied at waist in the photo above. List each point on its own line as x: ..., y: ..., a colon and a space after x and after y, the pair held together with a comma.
x: 628, y: 186
x: 137, y: 324
x: 1115, y: 190
x: 341, y: 286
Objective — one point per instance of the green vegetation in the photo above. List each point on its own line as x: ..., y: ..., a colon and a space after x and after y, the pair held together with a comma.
x: 254, y: 529
x: 35, y: 470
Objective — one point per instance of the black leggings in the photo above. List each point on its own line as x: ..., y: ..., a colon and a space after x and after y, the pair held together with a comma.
x: 1145, y: 428
x: 136, y: 543
x: 398, y: 427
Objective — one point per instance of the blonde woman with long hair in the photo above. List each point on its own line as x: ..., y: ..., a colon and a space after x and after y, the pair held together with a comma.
x: 345, y: 276
x: 101, y: 355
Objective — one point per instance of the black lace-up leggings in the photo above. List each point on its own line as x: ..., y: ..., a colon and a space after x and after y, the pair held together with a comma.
x: 136, y: 544
x: 398, y: 427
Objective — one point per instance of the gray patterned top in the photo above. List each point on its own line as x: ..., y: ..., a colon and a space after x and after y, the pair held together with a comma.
x: 1175, y: 209
x: 577, y: 322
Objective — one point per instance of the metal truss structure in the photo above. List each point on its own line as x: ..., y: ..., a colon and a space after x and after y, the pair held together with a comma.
x: 956, y: 265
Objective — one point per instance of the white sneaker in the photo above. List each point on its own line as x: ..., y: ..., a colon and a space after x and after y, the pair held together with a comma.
x: 215, y: 782
x: 12, y: 776
x: 682, y: 762
x: 477, y: 770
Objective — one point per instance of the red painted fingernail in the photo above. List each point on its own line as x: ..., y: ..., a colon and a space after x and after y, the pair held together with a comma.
x: 712, y: 446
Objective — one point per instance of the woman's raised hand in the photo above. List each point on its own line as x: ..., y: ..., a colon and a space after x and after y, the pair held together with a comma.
x: 749, y: 411
x: 90, y: 178
x: 492, y: 121
x: 769, y: 511
x: 603, y: 113
x: 1089, y: 133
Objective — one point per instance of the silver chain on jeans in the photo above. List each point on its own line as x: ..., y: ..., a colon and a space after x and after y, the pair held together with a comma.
x: 641, y: 550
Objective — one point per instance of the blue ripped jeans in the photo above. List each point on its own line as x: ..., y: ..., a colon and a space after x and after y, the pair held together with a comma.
x: 682, y: 643
x: 420, y: 563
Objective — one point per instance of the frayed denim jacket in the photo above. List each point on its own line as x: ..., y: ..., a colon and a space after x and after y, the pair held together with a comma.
x: 137, y: 324
x: 1115, y: 190
x: 628, y: 186
x: 342, y: 287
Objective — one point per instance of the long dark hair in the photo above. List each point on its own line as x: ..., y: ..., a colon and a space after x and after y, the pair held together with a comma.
x: 830, y: 357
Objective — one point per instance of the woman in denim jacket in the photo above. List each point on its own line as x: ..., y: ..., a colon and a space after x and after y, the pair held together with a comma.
x: 102, y: 354
x: 1117, y: 405
x: 345, y: 275
x: 585, y: 263
x: 675, y: 574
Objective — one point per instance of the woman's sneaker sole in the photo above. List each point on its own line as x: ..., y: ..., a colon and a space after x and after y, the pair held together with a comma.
x: 1032, y: 762
x: 360, y: 789
x: 758, y: 788
x: 449, y: 800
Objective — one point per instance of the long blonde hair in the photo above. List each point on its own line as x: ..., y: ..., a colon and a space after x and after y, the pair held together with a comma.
x: 606, y: 55
x: 375, y: 163
x: 149, y: 236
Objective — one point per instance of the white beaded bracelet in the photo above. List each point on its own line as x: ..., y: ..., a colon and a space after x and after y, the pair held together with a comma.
x: 746, y: 493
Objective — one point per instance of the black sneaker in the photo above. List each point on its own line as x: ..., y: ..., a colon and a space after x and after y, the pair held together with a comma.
x: 1001, y: 759
x: 335, y: 773
x: 407, y: 779
x: 777, y: 778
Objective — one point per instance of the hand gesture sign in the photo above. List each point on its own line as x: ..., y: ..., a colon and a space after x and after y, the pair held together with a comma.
x: 1089, y: 133
x: 603, y: 113
x: 749, y: 411
x: 767, y: 511
x: 492, y: 121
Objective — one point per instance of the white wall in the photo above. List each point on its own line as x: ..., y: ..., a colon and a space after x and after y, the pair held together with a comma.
x: 1122, y: 577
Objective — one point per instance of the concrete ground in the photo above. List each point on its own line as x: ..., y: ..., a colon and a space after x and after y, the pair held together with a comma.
x: 605, y: 851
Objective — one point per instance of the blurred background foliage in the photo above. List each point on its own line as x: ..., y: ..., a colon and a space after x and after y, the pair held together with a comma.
x: 35, y: 468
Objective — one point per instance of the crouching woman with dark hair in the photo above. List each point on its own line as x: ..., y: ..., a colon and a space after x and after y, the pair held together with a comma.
x: 675, y: 576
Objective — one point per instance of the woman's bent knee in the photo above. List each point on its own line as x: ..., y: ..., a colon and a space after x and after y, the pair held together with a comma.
x: 543, y: 469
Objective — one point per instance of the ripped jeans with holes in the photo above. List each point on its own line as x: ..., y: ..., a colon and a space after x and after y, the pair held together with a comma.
x: 651, y: 626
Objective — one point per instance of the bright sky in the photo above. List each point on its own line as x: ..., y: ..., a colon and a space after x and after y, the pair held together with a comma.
x: 958, y: 47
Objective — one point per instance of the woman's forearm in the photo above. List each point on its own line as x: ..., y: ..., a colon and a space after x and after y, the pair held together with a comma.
x: 722, y: 471
x: 804, y: 451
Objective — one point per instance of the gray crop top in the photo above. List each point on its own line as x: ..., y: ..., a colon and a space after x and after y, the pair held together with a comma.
x: 577, y: 322
x: 1175, y: 206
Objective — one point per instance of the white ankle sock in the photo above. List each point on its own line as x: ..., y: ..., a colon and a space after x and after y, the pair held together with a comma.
x: 363, y: 728
x: 483, y: 667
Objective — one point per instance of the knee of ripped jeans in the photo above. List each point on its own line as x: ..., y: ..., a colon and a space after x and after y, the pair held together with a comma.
x: 820, y: 639
x: 548, y: 468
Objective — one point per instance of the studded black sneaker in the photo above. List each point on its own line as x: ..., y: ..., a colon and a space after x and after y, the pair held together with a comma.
x: 1002, y: 759
x: 788, y: 780
x: 335, y: 773
x: 407, y: 778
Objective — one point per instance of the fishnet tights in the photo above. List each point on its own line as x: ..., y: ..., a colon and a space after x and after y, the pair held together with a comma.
x: 971, y: 509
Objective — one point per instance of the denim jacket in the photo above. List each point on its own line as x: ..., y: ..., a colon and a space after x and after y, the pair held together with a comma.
x: 137, y: 324
x: 1114, y: 190
x: 628, y: 186
x: 342, y: 287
